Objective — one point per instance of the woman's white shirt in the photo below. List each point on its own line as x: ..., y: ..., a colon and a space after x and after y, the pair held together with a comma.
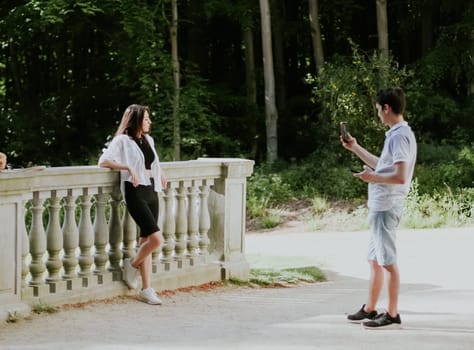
x: 124, y: 150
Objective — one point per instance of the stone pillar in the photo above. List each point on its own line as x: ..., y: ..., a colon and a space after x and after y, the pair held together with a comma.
x: 181, y: 223
x: 86, y: 238
x: 70, y: 239
x: 13, y: 250
x: 101, y: 235
x: 115, y: 236
x: 37, y: 242
x: 227, y: 204
x: 54, y: 243
x: 169, y: 227
x: 193, y: 222
x: 129, y: 235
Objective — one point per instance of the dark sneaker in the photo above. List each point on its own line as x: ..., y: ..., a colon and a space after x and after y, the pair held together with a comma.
x: 362, y: 315
x: 384, y: 321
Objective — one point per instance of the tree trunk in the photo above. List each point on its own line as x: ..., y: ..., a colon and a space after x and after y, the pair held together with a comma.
x: 176, y: 82
x: 426, y: 27
x: 318, y: 51
x: 271, y: 113
x: 382, y: 32
x: 382, y: 26
x: 251, y: 88
x: 470, y: 83
x: 277, y: 24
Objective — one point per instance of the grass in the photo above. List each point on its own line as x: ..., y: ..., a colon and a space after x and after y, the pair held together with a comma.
x: 274, y: 277
x: 275, y: 271
x: 285, y: 277
x: 43, y: 308
x: 13, y: 317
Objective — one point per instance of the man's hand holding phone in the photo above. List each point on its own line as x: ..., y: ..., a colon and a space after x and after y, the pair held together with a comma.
x: 344, y: 132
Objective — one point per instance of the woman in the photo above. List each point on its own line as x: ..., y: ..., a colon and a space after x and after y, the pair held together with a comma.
x: 3, y: 161
x: 132, y: 151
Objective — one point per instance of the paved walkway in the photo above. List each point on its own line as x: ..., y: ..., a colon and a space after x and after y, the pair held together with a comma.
x: 436, y: 303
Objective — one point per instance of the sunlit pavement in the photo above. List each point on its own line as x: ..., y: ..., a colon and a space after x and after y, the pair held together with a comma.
x: 437, y: 294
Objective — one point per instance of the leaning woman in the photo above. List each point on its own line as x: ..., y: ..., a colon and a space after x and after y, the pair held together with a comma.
x: 132, y: 151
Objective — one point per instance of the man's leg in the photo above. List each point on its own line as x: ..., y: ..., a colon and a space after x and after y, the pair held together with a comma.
x: 393, y: 289
x: 375, y: 285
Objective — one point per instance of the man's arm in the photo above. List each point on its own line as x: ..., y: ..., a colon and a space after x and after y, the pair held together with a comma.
x: 367, y: 157
x: 397, y: 174
x: 364, y: 155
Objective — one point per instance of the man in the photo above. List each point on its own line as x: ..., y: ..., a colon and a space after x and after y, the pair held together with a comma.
x: 388, y: 177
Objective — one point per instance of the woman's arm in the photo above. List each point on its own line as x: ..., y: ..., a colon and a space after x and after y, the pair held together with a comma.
x: 112, y: 164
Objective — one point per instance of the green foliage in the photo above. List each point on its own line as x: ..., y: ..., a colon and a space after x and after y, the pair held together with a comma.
x: 346, y: 88
x: 268, y: 187
x: 202, y: 131
x: 319, y: 174
x: 441, y: 166
x: 443, y: 208
x: 442, y: 193
x: 69, y: 68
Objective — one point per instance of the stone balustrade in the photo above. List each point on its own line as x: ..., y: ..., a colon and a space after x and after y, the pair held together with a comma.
x: 65, y: 231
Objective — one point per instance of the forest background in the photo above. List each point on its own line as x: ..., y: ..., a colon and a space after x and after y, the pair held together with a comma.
x: 68, y: 69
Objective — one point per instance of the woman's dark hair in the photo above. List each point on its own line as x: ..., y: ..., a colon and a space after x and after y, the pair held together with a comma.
x: 132, y: 120
x: 394, y: 97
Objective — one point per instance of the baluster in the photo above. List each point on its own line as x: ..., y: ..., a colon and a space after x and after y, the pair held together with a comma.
x: 193, y: 221
x: 86, y: 236
x: 54, y: 240
x: 25, y: 249
x: 115, y: 234
x: 71, y: 237
x: 100, y: 233
x: 129, y: 235
x: 204, y: 219
x: 168, y: 225
x: 155, y: 255
x: 181, y: 221
x: 37, y: 241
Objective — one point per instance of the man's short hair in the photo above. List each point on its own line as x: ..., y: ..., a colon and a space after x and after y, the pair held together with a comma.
x: 394, y: 97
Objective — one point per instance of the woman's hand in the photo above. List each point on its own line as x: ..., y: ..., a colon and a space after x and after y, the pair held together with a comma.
x: 164, y: 182
x: 133, y: 177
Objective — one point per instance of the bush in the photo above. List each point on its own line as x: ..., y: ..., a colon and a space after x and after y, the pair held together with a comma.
x: 447, y: 208
x: 444, y: 166
x: 345, y: 90
x: 442, y: 192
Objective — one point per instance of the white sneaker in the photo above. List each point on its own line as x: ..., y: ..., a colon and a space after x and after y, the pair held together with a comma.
x: 149, y: 296
x: 130, y: 274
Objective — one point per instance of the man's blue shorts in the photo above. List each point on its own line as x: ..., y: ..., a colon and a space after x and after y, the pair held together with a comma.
x: 382, y: 244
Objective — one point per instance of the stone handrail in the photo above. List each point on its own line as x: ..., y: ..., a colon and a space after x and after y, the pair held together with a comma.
x: 65, y: 231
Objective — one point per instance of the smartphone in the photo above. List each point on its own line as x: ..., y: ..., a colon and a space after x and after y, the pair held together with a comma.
x: 344, y: 131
